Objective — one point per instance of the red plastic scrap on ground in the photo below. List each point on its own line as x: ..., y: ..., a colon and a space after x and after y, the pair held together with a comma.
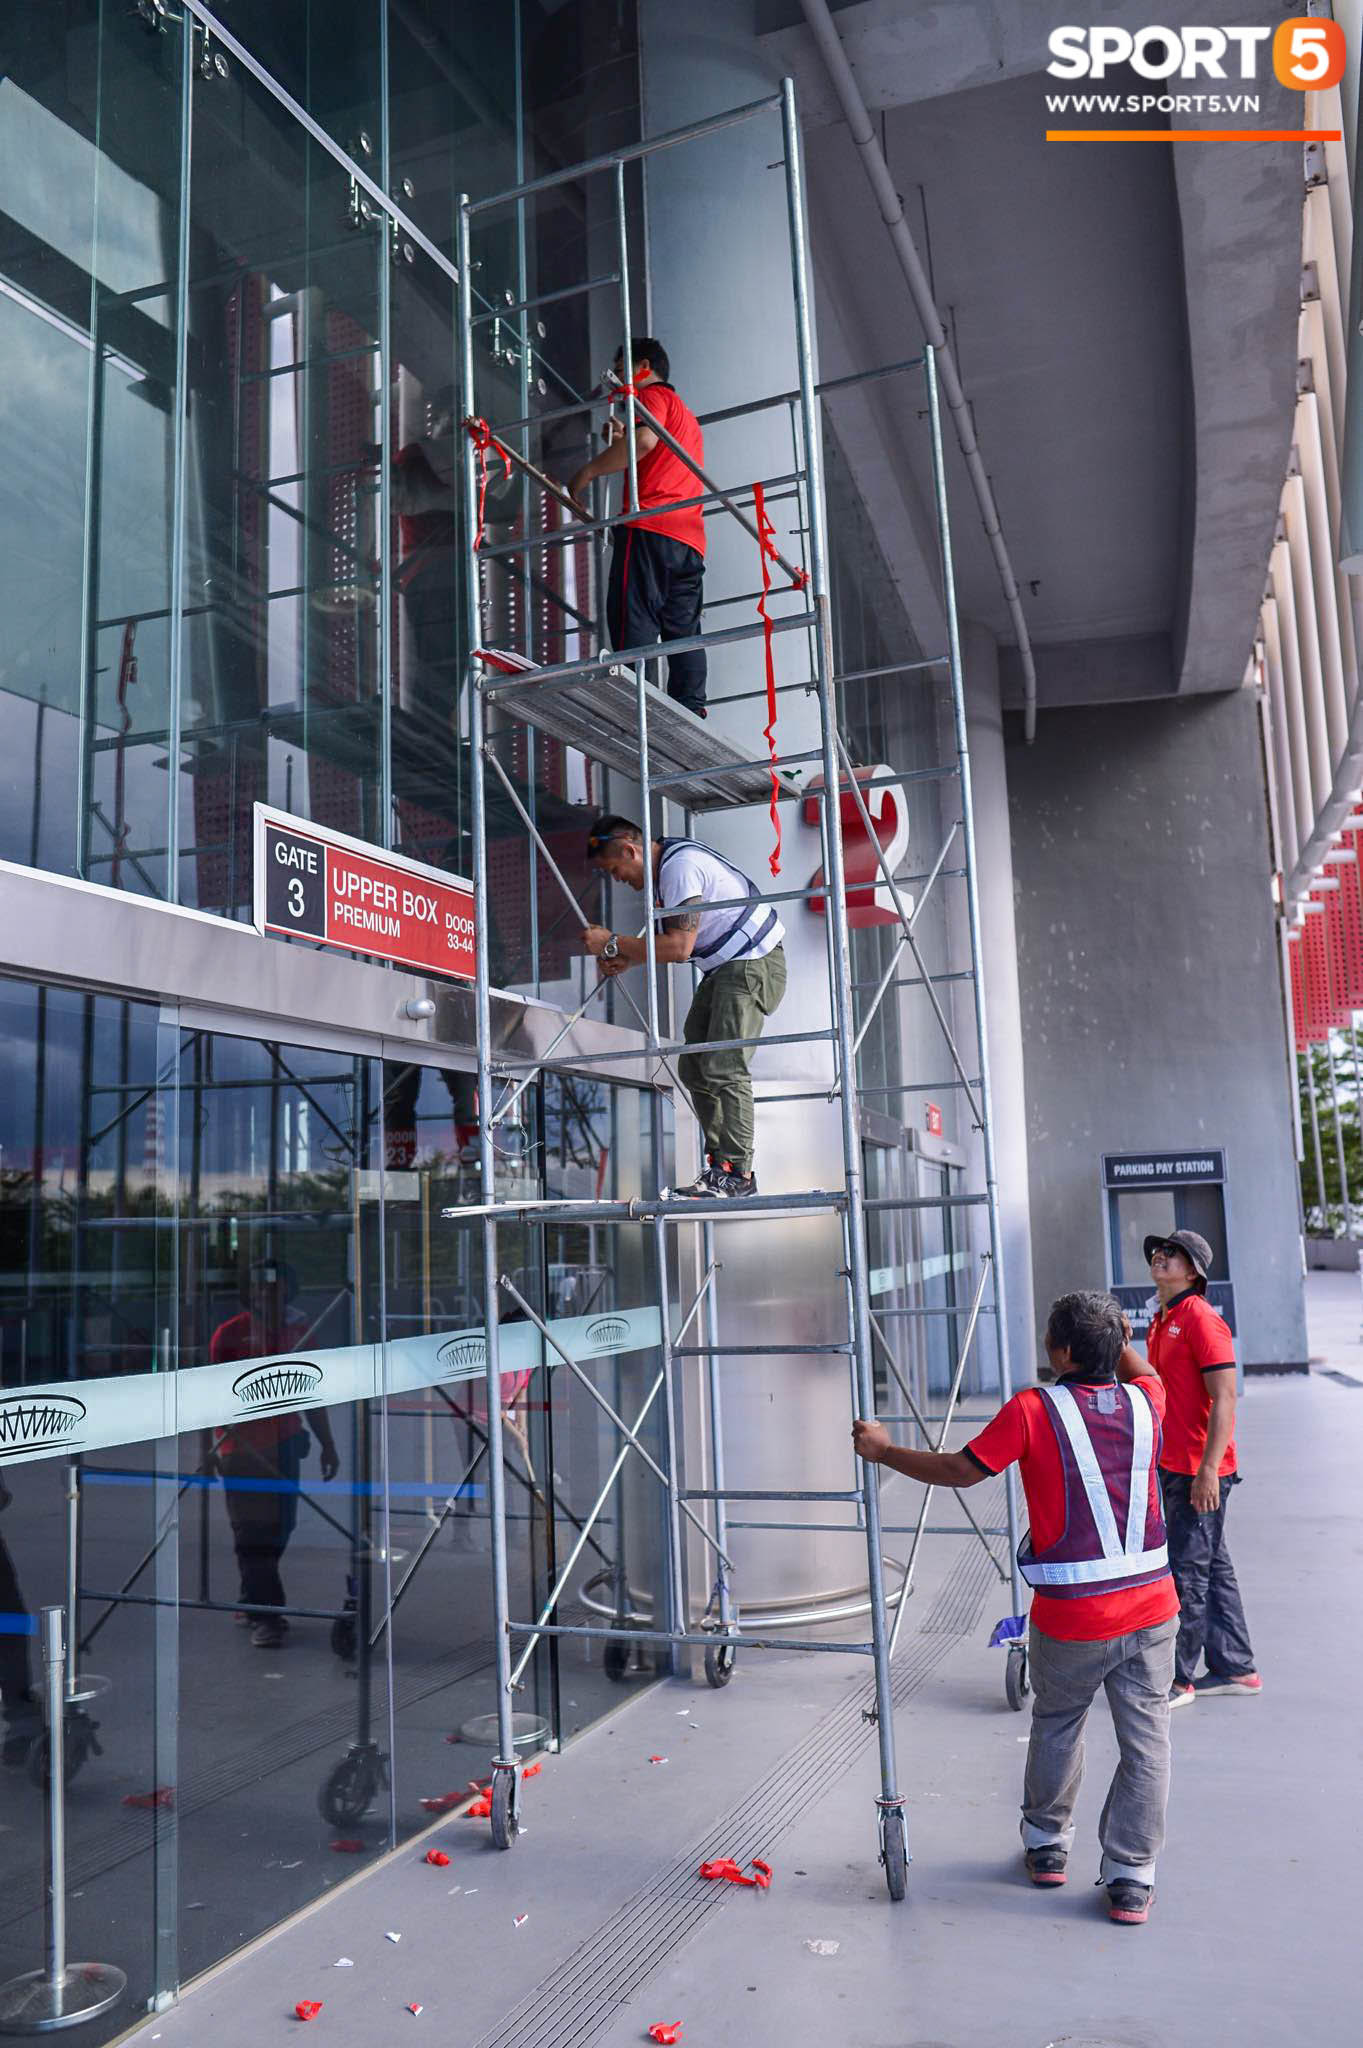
x: 438, y: 1857
x: 416, y: 2010
x: 443, y: 1803
x: 725, y: 1867
x: 480, y: 1808
x: 308, y: 2008
x: 164, y: 1795
x: 532, y: 1770
x: 665, y: 2031
x: 348, y: 1847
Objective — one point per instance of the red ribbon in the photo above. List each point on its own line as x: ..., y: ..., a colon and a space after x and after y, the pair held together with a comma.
x: 766, y: 541
x: 483, y: 438
x: 726, y: 1868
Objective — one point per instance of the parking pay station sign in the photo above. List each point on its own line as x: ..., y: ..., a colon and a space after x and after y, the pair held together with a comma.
x: 323, y: 885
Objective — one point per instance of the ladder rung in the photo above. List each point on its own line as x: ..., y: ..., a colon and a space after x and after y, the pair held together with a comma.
x: 737, y: 1493
x: 986, y: 1308
x: 754, y: 1350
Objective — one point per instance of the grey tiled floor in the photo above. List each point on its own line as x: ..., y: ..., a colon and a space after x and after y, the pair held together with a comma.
x: 1254, y: 1935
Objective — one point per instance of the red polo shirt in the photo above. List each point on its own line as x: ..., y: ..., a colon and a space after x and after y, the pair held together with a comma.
x: 1022, y: 1432
x: 1184, y: 1343
x: 663, y: 477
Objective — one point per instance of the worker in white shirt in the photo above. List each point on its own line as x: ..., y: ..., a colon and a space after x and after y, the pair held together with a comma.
x: 743, y: 978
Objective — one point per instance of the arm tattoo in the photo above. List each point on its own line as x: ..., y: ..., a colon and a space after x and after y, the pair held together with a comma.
x: 686, y: 920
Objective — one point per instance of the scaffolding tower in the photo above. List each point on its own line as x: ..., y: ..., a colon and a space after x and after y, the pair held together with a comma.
x: 604, y: 705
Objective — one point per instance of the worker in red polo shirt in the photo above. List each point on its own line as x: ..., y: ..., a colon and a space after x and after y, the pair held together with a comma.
x: 657, y: 567
x: 1105, y: 1610
x: 1189, y: 1345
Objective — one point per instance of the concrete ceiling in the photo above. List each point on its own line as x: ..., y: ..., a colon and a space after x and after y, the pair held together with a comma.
x: 1124, y: 318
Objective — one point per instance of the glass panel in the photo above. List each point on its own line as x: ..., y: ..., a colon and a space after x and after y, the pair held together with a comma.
x: 283, y: 1523
x: 90, y: 109
x: 1138, y: 1213
x: 598, y: 1142
x: 85, y: 1204
x: 444, y: 1686
x: 283, y: 696
x: 86, y: 1312
x: 327, y: 55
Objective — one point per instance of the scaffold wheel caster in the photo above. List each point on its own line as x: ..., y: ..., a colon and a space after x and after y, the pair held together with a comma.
x: 348, y: 1791
x: 616, y: 1656
x: 1015, y: 1680
x: 894, y: 1851
x: 344, y: 1638
x: 78, y: 1742
x: 505, y: 1819
x: 720, y: 1659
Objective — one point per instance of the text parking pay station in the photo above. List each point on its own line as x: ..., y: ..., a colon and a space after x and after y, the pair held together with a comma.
x: 1149, y: 1194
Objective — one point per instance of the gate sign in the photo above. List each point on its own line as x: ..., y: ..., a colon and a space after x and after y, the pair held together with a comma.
x: 323, y: 885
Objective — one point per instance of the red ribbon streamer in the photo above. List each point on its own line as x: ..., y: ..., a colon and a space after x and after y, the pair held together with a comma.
x: 766, y: 541
x: 483, y: 438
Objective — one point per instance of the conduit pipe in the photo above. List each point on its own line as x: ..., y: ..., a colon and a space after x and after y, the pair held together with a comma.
x: 829, y: 43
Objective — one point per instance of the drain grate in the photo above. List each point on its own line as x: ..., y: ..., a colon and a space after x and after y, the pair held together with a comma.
x: 573, y: 2004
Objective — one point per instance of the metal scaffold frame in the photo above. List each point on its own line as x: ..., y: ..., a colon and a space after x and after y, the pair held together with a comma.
x: 537, y: 699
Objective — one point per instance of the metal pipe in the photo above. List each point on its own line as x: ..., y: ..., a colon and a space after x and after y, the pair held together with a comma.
x: 501, y: 1604
x: 1315, y: 1135
x: 829, y: 43
x: 602, y: 1403
x: 632, y: 151
x: 518, y: 1668
x: 821, y: 390
x: 565, y: 672
x: 1339, y: 1134
x: 708, y: 1639
x: 907, y: 922
x: 991, y: 1179
x: 854, y: 1234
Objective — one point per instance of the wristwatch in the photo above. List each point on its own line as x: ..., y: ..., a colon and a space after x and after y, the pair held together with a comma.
x: 611, y: 949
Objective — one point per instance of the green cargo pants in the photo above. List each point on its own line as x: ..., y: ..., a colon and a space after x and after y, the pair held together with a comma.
x: 730, y: 1003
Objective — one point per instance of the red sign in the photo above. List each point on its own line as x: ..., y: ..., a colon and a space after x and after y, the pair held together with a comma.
x: 888, y: 810
x: 932, y: 1119
x: 325, y: 886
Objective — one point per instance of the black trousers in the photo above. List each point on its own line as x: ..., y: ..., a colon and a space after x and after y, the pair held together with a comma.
x: 262, y: 1506
x: 1212, y: 1614
x: 654, y: 593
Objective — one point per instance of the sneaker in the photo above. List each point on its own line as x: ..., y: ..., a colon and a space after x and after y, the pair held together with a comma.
x: 1247, y: 1686
x: 1128, y: 1902
x: 702, y: 1188
x: 731, y: 1185
x: 267, y: 1635
x: 1181, y: 1696
x: 1046, y: 1866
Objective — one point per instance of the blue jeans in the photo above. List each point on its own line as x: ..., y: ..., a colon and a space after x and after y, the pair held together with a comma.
x: 1212, y: 1616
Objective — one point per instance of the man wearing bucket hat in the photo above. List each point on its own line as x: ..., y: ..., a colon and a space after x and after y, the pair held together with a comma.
x: 1190, y: 1347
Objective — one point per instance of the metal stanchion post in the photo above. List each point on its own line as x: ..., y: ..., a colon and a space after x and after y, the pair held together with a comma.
x: 62, y: 1994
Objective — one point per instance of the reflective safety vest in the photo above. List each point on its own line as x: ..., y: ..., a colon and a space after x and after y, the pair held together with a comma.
x: 745, y: 934
x: 1113, y: 1536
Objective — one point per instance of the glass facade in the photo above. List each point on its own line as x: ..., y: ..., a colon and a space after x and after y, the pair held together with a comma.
x: 243, y: 1419
x: 231, y: 504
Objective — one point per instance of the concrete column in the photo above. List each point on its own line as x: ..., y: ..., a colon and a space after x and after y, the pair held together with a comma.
x: 720, y: 301
x: 994, y: 850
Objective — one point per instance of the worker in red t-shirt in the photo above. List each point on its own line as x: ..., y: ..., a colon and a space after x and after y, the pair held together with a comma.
x: 1189, y: 1345
x: 259, y: 1459
x: 658, y: 560
x: 1105, y: 1611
